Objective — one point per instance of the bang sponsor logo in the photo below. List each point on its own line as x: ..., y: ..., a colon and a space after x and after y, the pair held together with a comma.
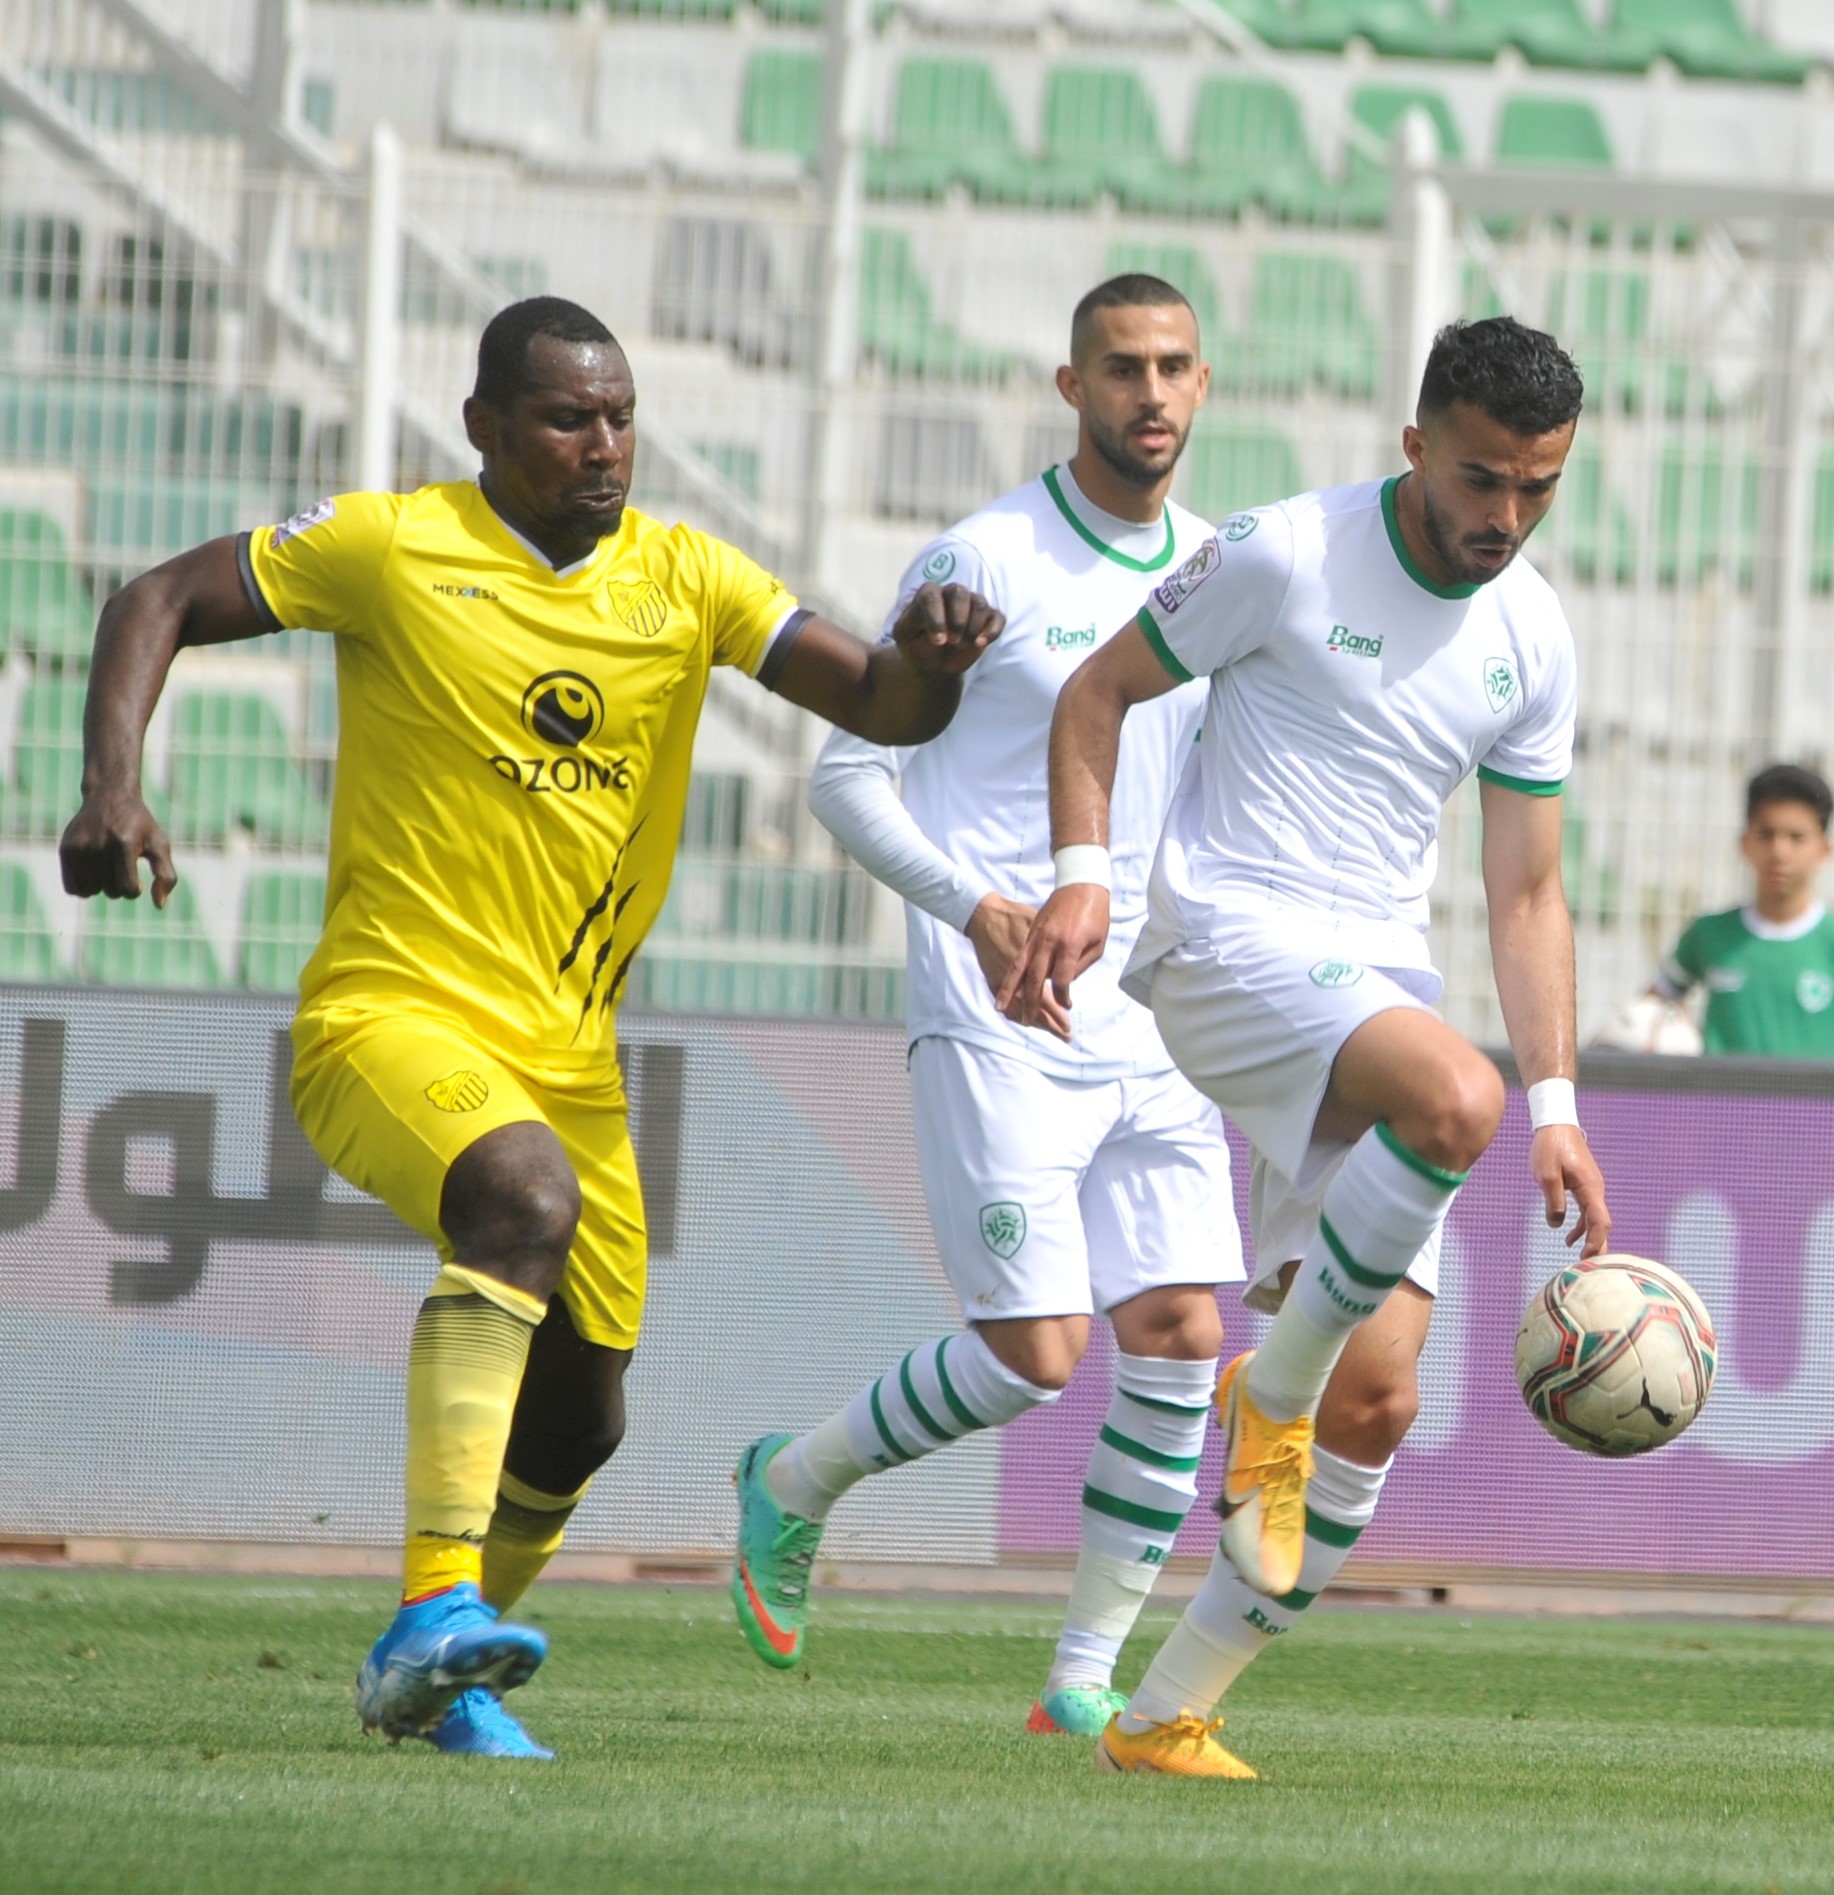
x: 302, y: 522
x: 1174, y: 591
x: 1069, y: 638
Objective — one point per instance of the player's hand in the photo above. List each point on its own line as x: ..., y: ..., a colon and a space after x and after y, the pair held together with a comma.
x: 1069, y: 934
x: 1560, y: 1161
x: 998, y: 928
x: 944, y: 629
x: 103, y: 847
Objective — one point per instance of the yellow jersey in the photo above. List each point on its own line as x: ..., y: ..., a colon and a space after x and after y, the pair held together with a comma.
x: 514, y: 752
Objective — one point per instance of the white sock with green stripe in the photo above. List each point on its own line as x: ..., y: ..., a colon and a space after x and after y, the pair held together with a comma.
x: 1379, y: 1213
x: 1228, y: 1625
x: 1141, y: 1481
x: 938, y: 1393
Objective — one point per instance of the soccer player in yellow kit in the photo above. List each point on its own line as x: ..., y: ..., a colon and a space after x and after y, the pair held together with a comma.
x: 521, y: 665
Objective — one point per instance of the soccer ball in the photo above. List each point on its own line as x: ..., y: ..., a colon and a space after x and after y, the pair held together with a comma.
x: 1648, y: 1024
x: 1615, y: 1356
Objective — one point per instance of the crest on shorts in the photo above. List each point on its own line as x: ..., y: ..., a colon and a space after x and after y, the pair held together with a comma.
x: 1500, y: 684
x: 1003, y: 1228
x: 462, y: 1091
x: 1336, y: 974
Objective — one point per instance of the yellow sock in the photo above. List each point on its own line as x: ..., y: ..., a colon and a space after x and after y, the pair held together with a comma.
x: 471, y: 1343
x: 525, y: 1533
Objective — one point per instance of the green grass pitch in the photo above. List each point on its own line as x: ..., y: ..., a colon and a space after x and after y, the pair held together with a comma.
x: 195, y: 1734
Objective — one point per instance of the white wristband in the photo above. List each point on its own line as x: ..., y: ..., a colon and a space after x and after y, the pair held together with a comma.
x: 1552, y: 1102
x: 1083, y: 862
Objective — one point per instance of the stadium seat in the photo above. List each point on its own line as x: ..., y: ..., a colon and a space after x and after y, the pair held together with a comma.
x: 1308, y: 325
x: 47, y: 767
x: 1100, y: 134
x: 44, y: 608
x: 1694, y: 536
x: 1406, y: 28
x: 27, y: 949
x: 1248, y: 146
x: 1592, y: 524
x: 1545, y: 32
x: 282, y: 915
x: 1541, y: 131
x: 949, y: 125
x: 1238, y: 466
x: 134, y: 944
x: 896, y: 329
x: 1707, y: 39
x: 782, y: 104
x: 1381, y: 109
x: 232, y: 767
x: 137, y: 521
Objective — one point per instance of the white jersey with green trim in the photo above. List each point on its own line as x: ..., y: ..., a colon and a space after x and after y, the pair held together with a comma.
x: 975, y: 817
x: 1349, y: 697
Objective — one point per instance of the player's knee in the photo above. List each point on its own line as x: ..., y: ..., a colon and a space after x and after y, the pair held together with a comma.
x: 519, y: 1221
x: 1044, y: 1354
x: 1466, y: 1108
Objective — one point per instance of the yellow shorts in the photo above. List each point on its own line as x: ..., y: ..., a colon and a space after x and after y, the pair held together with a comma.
x: 389, y: 1100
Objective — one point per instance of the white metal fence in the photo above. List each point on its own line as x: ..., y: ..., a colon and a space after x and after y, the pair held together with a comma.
x: 223, y: 292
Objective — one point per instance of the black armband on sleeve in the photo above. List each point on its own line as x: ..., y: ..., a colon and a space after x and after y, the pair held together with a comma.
x: 246, y: 567
x: 787, y: 634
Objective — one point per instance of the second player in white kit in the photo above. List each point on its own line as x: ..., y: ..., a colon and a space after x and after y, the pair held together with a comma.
x: 1065, y: 1173
x: 1365, y: 649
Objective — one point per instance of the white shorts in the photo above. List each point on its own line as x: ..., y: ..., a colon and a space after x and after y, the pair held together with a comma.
x: 1255, y: 1018
x: 1057, y: 1197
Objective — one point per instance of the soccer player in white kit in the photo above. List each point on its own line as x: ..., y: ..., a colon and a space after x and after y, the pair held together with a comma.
x: 1366, y: 649
x: 1062, y: 1174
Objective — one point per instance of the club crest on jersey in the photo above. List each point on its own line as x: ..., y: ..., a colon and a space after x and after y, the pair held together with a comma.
x: 1195, y: 570
x: 939, y: 565
x: 1241, y: 526
x: 1003, y: 1228
x: 1814, y: 990
x: 302, y: 522
x: 640, y: 607
x: 1500, y: 684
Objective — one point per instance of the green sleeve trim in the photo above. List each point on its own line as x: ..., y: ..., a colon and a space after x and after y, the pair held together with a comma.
x: 1520, y: 784
x: 1161, y: 650
x: 1446, y: 1180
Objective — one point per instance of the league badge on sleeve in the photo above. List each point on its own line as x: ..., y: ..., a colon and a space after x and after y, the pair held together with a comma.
x: 302, y: 522
x: 1195, y: 570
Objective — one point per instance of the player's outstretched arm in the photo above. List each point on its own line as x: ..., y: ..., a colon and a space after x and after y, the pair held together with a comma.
x: 1531, y: 948
x: 195, y: 599
x: 1071, y: 929
x: 901, y: 692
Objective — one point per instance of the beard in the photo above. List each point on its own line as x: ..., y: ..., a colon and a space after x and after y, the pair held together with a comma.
x: 1135, y: 468
x: 1439, y: 536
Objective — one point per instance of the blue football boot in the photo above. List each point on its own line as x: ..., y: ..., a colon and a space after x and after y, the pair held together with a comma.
x: 477, y: 1725
x: 436, y: 1648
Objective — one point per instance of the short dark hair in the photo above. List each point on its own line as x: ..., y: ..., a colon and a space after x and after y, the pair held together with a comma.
x: 1516, y: 375
x: 1133, y: 290
x: 1789, y: 783
x: 503, y: 348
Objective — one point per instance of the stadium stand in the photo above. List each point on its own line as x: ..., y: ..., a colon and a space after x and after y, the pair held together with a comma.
x: 180, y: 313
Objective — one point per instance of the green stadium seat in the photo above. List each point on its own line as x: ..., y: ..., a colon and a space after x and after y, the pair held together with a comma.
x: 1100, y: 134
x: 44, y: 608
x: 1381, y: 109
x: 896, y: 328
x: 1707, y: 39
x: 47, y: 769
x: 138, y: 521
x: 1180, y: 266
x: 782, y: 104
x: 27, y: 949
x: 1408, y: 29
x: 282, y: 916
x: 1545, y: 131
x: 949, y: 125
x: 1545, y: 32
x: 134, y: 944
x: 232, y: 768
x: 1308, y: 325
x: 1694, y: 536
x: 793, y: 12
x: 1238, y: 466
x: 136, y: 102
x: 1248, y: 146
x: 1592, y: 524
